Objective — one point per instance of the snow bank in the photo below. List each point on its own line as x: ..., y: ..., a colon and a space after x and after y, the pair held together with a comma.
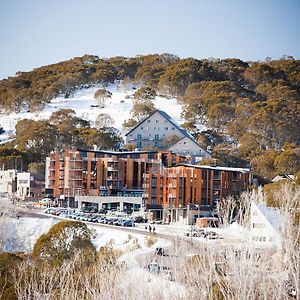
x: 155, y: 287
x: 236, y: 231
x: 118, y: 239
x: 21, y: 234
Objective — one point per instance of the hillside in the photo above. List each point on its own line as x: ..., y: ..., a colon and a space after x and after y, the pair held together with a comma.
x: 251, y: 110
x: 84, y: 104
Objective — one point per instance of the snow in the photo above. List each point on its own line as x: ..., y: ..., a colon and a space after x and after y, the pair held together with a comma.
x: 22, y: 233
x: 235, y: 231
x: 155, y: 286
x: 118, y: 107
x: 118, y: 239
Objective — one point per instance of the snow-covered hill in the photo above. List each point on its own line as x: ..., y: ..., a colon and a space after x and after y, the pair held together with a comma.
x: 83, y: 103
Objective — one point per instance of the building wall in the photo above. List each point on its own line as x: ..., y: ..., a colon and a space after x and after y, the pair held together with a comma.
x: 182, y: 185
x: 187, y: 146
x: 23, y: 185
x: 8, y: 181
x: 78, y: 173
x: 153, y: 132
x: 262, y: 232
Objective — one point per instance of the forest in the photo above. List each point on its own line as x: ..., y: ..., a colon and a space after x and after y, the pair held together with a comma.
x: 251, y: 109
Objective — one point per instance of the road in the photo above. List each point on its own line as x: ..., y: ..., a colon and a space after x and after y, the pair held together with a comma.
x: 176, y: 250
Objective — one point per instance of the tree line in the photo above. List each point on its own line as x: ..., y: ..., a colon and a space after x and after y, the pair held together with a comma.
x: 251, y: 109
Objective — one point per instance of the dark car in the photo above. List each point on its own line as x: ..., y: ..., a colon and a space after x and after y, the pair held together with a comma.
x: 128, y: 223
x: 160, y: 251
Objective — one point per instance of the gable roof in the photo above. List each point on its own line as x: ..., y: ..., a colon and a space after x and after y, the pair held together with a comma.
x: 193, y: 140
x: 271, y: 214
x: 290, y: 177
x: 167, y: 117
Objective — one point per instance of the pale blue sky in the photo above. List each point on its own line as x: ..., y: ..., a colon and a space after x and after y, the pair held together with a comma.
x: 39, y: 32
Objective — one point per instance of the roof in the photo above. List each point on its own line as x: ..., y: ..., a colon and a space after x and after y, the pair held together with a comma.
x: 167, y: 117
x: 193, y: 140
x: 271, y: 214
x: 242, y: 170
x: 283, y: 176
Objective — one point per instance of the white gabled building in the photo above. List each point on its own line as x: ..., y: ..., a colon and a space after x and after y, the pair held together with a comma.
x: 188, y: 146
x: 265, y: 226
x: 158, y: 130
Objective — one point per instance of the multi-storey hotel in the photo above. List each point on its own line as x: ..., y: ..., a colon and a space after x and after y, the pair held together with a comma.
x: 159, y: 181
x: 74, y: 173
x: 196, y: 187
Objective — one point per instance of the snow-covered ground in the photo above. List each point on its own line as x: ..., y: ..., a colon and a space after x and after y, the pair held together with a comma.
x: 21, y: 235
x: 83, y: 103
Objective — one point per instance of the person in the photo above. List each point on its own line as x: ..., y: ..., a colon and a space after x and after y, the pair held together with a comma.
x: 150, y: 229
x: 146, y: 228
x: 154, y: 229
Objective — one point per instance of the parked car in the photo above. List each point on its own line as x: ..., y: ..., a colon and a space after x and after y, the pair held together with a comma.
x: 160, y: 251
x: 153, y: 267
x: 46, y: 201
x: 195, y: 232
x: 128, y: 223
x: 212, y: 235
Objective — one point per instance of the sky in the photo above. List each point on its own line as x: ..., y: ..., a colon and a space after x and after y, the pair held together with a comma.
x: 40, y: 32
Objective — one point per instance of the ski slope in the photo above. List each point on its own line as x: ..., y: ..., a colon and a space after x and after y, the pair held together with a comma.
x: 83, y: 103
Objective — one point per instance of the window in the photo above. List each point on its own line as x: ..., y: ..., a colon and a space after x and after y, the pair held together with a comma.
x: 148, y: 121
x: 156, y: 121
x: 139, y: 136
x: 139, y: 144
x: 234, y: 176
x: 258, y: 238
x: 259, y: 225
x: 142, y: 127
x: 156, y: 144
x: 166, y: 128
x: 153, y: 182
x: 156, y: 137
x: 173, y: 128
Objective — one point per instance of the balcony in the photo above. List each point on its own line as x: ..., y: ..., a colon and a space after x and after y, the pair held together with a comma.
x: 76, y: 178
x: 112, y: 169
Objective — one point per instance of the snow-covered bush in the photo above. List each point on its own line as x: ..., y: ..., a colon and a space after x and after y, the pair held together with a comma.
x: 65, y: 240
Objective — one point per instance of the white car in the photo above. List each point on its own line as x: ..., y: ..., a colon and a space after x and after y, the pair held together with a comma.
x: 46, y: 201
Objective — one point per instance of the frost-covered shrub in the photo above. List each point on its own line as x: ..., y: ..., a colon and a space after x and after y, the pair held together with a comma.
x: 150, y: 241
x: 63, y: 241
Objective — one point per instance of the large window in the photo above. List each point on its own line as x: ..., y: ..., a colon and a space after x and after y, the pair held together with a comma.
x: 156, y: 137
x: 139, y: 136
x: 139, y: 144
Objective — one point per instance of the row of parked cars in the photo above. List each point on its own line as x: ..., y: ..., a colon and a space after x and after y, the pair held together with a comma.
x: 89, y: 217
x: 196, y: 232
